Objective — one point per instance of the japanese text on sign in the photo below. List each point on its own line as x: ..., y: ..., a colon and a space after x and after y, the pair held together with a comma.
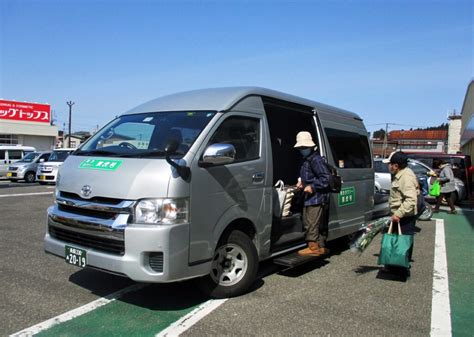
x: 23, y: 111
x: 346, y: 196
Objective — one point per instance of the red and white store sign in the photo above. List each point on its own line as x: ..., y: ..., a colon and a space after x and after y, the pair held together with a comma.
x: 24, y: 111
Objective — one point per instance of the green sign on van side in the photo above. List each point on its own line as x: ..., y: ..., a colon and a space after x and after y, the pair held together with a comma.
x: 347, y: 196
x: 100, y: 164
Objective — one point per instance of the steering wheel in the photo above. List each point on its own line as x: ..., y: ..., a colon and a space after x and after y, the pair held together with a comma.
x: 127, y: 145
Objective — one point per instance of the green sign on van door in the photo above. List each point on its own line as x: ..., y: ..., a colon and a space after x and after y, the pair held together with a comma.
x: 347, y: 196
x: 100, y: 164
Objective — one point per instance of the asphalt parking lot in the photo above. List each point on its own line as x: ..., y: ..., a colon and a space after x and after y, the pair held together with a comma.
x: 344, y: 294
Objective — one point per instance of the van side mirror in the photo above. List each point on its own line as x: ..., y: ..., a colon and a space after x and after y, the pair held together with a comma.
x: 41, y: 160
x: 170, y: 148
x: 218, y: 154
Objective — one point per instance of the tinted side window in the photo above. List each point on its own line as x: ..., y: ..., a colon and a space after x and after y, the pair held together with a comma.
x: 2, y: 154
x: 14, y: 154
x: 417, y: 169
x: 349, y: 149
x: 380, y: 167
x: 243, y: 133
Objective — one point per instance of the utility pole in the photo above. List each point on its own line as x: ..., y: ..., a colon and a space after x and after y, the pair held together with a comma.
x: 70, y: 103
x: 384, y: 148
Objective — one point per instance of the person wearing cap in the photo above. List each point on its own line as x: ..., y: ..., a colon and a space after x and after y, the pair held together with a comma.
x: 314, y: 181
x: 403, y: 193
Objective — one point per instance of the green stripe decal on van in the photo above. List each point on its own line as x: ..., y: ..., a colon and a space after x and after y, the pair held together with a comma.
x: 346, y: 196
x: 100, y: 164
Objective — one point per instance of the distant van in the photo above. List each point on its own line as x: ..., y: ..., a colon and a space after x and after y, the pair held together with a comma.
x: 183, y: 187
x: 10, y: 154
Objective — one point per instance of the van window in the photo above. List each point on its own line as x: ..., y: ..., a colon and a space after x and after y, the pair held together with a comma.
x: 2, y: 154
x: 14, y: 154
x: 148, y: 134
x: 349, y: 149
x: 243, y: 133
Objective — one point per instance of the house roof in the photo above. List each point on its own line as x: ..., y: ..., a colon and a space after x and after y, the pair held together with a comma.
x: 418, y: 134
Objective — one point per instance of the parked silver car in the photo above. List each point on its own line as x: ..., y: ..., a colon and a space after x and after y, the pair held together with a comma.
x: 383, y: 178
x: 25, y: 169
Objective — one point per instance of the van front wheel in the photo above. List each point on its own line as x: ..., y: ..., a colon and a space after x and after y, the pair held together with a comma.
x: 233, y: 269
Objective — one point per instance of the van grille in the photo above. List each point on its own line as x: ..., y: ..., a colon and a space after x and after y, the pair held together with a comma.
x: 100, y: 200
x: 87, y: 212
x: 116, y: 247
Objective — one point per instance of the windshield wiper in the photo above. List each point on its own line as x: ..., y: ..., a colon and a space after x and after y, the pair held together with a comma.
x: 95, y: 152
x: 149, y: 154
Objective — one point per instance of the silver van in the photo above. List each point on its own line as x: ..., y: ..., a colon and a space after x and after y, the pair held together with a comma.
x: 10, y: 154
x: 25, y: 169
x: 182, y: 187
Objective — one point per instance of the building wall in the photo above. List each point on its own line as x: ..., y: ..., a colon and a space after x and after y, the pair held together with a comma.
x: 454, y: 134
x: 467, y: 129
x: 40, y: 135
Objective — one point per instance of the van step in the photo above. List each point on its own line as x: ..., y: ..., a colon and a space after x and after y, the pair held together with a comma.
x: 293, y: 259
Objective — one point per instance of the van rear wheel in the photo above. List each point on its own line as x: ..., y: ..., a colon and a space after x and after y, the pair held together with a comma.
x: 234, y: 267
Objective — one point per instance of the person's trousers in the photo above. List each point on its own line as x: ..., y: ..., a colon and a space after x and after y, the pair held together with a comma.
x: 313, y: 216
x: 449, y: 198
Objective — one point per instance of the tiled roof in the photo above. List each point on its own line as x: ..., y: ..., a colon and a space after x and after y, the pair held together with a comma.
x: 418, y: 134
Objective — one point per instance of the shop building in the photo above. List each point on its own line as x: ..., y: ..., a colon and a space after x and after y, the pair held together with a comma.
x: 27, y: 124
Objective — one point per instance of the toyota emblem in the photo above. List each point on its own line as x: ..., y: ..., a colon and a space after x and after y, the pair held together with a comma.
x: 86, y: 190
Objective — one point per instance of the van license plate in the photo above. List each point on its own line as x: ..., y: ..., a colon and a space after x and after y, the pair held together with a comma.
x: 76, y: 256
x: 9, y: 174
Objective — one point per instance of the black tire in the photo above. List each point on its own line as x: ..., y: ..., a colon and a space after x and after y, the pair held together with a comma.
x: 241, y: 260
x: 30, y: 177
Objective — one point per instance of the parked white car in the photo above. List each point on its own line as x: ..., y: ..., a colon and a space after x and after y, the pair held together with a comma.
x: 47, y: 172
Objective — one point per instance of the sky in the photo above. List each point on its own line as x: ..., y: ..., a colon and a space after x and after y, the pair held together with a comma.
x: 406, y: 63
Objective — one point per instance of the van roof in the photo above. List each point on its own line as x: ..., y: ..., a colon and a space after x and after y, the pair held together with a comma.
x: 223, y: 99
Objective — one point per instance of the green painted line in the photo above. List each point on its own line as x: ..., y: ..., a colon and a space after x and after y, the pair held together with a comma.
x: 142, y: 313
x: 459, y: 231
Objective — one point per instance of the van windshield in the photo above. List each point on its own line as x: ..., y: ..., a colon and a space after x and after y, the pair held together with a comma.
x: 147, y: 134
x: 59, y: 156
x: 29, y: 158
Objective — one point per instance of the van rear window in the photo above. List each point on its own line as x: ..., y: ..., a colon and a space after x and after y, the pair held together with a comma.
x: 349, y: 149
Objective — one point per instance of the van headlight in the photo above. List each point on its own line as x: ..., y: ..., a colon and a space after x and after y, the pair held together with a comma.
x: 162, y: 211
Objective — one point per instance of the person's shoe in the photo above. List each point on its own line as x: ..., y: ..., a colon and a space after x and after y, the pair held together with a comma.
x: 453, y: 211
x: 313, y: 249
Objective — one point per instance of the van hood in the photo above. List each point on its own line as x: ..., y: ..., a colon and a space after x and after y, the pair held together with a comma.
x: 118, y: 178
x: 20, y: 165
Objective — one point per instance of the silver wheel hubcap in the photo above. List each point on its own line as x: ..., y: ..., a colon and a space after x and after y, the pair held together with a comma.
x: 229, y: 265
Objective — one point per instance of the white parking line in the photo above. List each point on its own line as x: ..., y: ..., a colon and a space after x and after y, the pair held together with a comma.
x: 76, y: 312
x: 440, y: 306
x: 190, y: 319
x: 23, y: 194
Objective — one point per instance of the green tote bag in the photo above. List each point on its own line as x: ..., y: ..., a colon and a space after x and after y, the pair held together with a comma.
x: 395, y: 250
x: 435, y: 189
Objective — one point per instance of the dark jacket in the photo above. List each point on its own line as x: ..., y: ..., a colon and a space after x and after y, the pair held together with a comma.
x: 315, y: 173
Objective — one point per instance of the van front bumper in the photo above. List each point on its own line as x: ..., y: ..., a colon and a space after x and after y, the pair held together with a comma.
x: 155, y: 253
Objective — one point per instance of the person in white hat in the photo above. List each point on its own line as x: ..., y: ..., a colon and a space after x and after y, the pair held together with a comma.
x: 314, y: 181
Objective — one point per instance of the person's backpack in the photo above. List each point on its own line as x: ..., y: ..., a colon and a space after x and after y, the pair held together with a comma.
x: 335, y: 180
